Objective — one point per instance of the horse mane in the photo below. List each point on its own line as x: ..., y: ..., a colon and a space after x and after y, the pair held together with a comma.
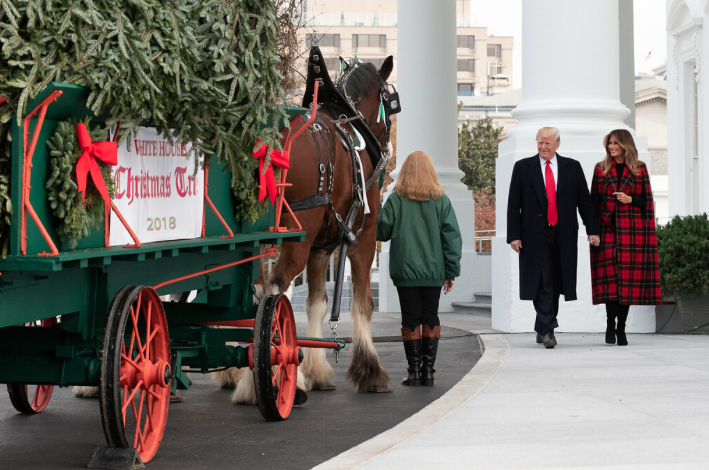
x: 361, y: 81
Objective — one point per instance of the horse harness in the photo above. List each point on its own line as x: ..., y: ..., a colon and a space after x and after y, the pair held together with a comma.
x: 337, y: 99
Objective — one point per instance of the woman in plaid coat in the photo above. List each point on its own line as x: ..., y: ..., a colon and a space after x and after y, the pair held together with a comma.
x: 624, y: 265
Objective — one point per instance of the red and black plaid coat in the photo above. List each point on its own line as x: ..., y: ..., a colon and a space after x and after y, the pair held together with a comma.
x: 624, y: 267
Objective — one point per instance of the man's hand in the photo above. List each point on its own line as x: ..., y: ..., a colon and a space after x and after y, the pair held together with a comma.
x: 594, y: 240
x: 516, y: 245
x: 448, y: 286
x: 624, y: 198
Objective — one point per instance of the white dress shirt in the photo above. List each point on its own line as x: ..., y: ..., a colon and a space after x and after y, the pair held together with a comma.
x: 554, y: 169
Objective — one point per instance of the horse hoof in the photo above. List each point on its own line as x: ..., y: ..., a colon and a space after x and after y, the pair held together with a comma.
x: 300, y: 397
x: 378, y: 389
x: 323, y: 387
x: 228, y: 386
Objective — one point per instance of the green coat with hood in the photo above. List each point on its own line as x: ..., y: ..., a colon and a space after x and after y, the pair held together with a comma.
x: 425, y: 239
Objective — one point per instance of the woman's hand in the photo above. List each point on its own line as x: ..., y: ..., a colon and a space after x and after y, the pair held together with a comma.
x: 381, y: 194
x: 448, y: 286
x: 624, y: 198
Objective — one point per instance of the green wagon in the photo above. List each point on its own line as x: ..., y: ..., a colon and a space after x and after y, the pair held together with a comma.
x: 95, y: 315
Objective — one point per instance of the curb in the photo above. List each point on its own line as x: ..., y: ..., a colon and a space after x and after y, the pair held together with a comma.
x: 495, y: 350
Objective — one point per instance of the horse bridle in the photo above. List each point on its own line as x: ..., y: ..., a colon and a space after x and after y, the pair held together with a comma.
x: 388, y: 99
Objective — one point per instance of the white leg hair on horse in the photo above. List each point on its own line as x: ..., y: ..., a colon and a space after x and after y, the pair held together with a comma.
x: 318, y: 373
x: 229, y: 378
x: 365, y: 370
x: 245, y: 393
x: 85, y: 392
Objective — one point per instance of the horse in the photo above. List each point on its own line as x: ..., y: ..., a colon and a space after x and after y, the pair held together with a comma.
x: 365, y: 88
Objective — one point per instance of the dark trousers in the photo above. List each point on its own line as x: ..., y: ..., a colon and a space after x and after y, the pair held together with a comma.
x: 547, y: 301
x: 419, y: 306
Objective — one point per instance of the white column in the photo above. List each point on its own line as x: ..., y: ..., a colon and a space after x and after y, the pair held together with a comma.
x: 427, y: 77
x: 572, y: 82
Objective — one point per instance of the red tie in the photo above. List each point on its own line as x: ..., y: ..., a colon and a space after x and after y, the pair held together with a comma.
x: 552, y: 216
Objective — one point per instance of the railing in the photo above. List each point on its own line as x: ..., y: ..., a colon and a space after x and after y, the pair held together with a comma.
x: 483, y: 241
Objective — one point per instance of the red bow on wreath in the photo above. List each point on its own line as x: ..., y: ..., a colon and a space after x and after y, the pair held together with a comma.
x: 267, y: 180
x: 107, y: 152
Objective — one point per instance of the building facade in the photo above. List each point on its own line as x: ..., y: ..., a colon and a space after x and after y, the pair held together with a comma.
x: 688, y: 106
x: 368, y: 29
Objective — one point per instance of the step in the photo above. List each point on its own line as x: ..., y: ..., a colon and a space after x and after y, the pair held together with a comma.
x: 484, y: 297
x: 473, y: 308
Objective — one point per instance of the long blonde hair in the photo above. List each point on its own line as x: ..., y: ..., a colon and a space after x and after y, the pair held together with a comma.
x: 630, y: 153
x: 417, y: 178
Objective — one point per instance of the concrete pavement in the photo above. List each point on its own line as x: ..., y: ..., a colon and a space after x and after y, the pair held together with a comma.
x: 584, y: 404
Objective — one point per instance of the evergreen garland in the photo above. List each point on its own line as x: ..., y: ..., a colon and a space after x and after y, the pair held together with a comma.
x: 75, y: 217
x: 209, y: 68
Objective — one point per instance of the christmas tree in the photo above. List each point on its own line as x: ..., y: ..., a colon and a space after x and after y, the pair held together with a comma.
x: 208, y: 69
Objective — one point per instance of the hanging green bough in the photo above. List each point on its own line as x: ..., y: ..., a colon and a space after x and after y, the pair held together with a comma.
x: 74, y: 218
x: 207, y: 68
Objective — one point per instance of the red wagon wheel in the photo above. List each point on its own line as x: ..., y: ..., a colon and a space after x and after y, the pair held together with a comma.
x: 19, y: 393
x: 135, y: 371
x: 274, y: 357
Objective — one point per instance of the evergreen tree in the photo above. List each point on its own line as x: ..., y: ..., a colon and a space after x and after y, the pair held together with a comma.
x: 477, y: 152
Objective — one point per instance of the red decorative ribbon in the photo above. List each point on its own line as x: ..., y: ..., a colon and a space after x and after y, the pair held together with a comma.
x: 267, y: 180
x: 107, y: 152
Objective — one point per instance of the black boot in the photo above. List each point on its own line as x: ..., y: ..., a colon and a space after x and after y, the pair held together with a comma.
x: 412, y: 348
x: 610, y: 326
x: 620, y: 329
x: 429, y: 346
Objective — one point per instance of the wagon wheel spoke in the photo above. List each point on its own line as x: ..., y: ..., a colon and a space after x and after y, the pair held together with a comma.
x: 148, y: 336
x: 147, y: 344
x: 134, y: 318
x: 282, y: 397
x: 138, y: 415
x: 133, y: 334
x: 275, y: 373
x: 129, y: 399
x: 129, y: 361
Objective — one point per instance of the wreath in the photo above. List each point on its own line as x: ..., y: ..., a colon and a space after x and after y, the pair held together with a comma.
x: 75, y: 218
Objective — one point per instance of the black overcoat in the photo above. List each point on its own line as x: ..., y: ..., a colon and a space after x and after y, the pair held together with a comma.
x: 527, y: 219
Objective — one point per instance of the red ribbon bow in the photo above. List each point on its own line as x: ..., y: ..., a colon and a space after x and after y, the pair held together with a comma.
x: 267, y: 180
x: 107, y: 152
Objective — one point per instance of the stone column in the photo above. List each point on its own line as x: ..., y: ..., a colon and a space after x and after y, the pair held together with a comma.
x: 572, y: 82
x: 427, y: 77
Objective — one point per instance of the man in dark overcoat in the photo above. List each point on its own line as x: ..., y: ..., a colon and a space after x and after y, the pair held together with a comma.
x: 545, y: 193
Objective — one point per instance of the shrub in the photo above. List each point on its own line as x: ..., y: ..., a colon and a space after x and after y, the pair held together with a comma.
x: 683, y: 249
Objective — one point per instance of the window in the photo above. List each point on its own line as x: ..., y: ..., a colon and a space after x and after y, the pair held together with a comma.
x: 494, y: 50
x: 369, y: 40
x: 465, y: 89
x: 332, y: 64
x: 326, y: 40
x: 466, y: 65
x: 496, y: 70
x: 466, y: 42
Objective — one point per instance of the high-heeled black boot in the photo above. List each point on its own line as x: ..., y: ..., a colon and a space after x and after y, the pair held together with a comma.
x: 429, y: 350
x: 412, y: 348
x: 610, y: 325
x: 620, y: 329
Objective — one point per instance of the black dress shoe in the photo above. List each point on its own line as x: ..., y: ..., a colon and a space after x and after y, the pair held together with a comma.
x: 549, y: 340
x: 540, y: 339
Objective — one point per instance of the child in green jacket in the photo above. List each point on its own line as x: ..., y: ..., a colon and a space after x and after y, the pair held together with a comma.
x: 424, y: 256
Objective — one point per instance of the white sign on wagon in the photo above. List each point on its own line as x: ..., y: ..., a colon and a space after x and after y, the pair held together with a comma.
x: 157, y: 192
